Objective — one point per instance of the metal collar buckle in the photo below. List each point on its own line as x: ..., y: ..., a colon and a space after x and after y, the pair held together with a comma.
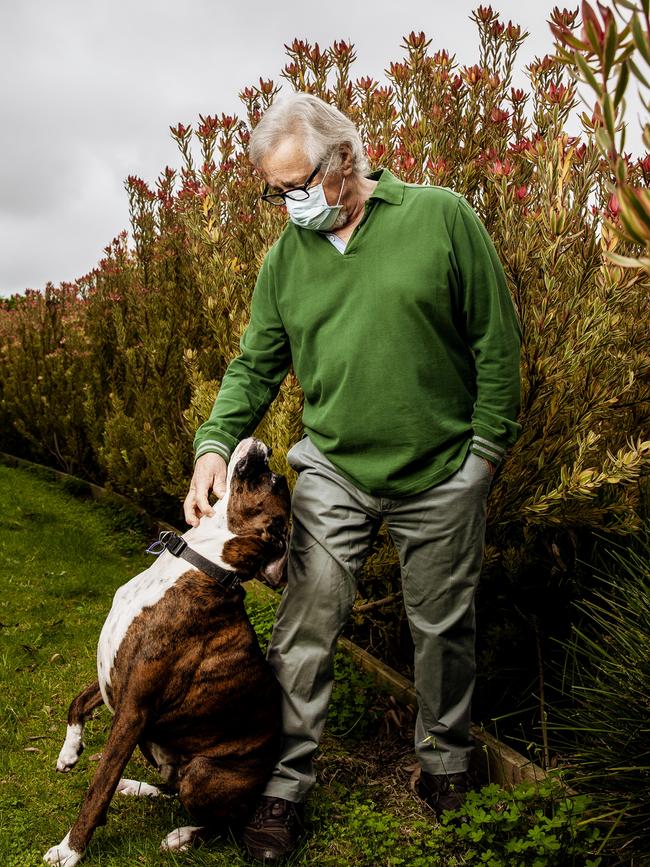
x: 174, y: 543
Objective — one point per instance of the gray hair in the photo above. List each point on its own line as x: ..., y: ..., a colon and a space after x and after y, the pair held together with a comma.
x: 321, y: 127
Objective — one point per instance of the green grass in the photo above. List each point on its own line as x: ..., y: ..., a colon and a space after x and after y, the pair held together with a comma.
x: 61, y: 559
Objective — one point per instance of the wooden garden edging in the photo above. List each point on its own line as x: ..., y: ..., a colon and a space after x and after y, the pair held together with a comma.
x: 494, y: 760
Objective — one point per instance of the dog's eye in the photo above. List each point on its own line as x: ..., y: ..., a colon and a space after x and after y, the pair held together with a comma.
x: 252, y: 512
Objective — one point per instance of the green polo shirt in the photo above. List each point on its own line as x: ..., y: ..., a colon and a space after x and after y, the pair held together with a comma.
x: 406, y: 345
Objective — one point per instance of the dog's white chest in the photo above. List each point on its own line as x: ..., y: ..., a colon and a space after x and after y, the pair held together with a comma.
x: 130, y: 600
x: 149, y: 587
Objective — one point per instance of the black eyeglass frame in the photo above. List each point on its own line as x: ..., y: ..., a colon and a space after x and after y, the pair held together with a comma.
x: 271, y: 197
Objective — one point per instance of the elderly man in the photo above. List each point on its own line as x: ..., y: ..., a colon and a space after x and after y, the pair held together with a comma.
x: 391, y: 304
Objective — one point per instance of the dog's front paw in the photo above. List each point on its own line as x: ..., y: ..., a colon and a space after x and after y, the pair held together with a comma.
x: 62, y: 855
x: 72, y: 748
x: 181, y: 839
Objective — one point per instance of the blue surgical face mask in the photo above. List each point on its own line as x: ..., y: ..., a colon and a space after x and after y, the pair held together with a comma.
x: 314, y: 212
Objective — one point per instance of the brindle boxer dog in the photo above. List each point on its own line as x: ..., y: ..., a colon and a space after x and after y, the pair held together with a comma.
x: 180, y: 668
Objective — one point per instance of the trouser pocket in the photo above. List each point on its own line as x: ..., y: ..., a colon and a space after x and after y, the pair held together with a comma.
x: 295, y: 453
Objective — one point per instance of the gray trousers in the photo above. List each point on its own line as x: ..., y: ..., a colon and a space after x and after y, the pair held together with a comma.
x: 439, y: 535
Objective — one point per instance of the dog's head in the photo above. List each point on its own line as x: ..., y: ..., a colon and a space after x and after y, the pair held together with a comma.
x: 258, y: 507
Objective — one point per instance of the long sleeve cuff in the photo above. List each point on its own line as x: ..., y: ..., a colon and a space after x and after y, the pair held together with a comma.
x: 213, y: 446
x: 487, y: 449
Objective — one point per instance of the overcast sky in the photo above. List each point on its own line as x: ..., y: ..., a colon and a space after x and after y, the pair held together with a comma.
x: 90, y: 89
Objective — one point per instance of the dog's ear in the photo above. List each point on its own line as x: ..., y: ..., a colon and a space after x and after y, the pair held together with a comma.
x: 250, y: 554
x: 245, y: 553
x: 274, y: 571
x: 277, y: 535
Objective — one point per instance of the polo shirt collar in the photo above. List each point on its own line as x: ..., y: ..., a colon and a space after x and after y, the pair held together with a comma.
x: 389, y: 188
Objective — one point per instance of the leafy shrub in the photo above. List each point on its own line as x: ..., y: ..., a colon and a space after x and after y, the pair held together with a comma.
x: 48, y: 380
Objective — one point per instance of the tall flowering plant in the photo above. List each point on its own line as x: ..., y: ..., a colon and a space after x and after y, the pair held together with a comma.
x: 604, y: 56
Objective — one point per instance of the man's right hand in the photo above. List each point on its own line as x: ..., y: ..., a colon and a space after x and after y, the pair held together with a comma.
x: 209, y: 475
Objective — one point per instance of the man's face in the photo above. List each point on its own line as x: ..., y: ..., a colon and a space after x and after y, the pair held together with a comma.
x: 287, y: 166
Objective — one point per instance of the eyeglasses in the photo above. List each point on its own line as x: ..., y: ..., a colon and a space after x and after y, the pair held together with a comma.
x: 296, y: 194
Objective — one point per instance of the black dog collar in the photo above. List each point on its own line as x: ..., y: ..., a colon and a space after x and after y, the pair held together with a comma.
x: 176, y: 545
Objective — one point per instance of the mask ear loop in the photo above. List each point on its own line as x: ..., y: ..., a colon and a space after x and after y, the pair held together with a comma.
x: 340, y: 191
x: 329, y: 163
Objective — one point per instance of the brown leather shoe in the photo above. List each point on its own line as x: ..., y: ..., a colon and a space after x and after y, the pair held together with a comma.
x: 274, y: 830
x: 444, y: 791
